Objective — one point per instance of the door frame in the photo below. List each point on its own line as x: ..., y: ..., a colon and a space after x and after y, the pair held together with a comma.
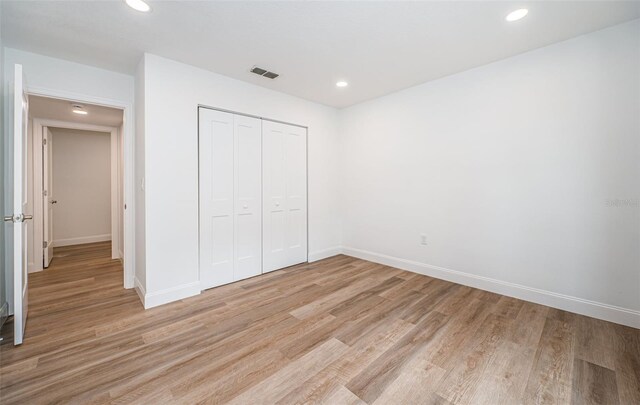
x: 38, y: 183
x: 128, y: 177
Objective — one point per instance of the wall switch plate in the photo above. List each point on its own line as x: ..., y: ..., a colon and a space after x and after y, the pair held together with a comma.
x: 423, y: 239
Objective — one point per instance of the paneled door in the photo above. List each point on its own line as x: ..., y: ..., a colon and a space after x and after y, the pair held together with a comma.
x: 216, y: 198
x: 19, y: 216
x: 284, y: 189
x: 230, y: 191
x: 248, y: 197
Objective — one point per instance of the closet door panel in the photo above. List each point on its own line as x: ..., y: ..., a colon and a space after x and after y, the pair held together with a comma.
x: 216, y: 145
x: 248, y: 197
x: 284, y: 193
x: 274, y: 190
x: 296, y: 153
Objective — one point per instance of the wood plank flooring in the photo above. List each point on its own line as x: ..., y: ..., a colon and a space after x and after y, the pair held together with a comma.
x: 338, y: 331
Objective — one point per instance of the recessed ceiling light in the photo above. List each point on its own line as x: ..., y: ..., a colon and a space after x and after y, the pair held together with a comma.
x: 138, y: 5
x: 342, y: 84
x: 78, y: 109
x: 517, y: 14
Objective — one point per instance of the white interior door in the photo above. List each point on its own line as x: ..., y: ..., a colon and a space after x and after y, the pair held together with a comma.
x: 216, y: 160
x: 47, y: 195
x: 284, y: 228
x: 20, y: 117
x: 230, y: 197
x: 248, y: 197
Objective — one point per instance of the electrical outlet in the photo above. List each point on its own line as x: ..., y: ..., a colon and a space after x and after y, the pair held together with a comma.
x: 423, y: 239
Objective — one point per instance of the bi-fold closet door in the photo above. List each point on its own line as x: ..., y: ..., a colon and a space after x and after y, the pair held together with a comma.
x: 284, y: 150
x: 253, y: 196
x: 230, y: 197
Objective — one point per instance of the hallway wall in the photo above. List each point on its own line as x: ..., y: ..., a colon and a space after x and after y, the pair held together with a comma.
x: 82, y: 186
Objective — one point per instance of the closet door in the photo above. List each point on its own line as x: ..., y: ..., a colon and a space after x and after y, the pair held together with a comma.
x: 284, y: 231
x: 248, y: 197
x: 216, y: 160
x: 230, y: 197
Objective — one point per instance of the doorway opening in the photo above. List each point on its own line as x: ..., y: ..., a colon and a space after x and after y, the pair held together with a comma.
x: 75, y: 179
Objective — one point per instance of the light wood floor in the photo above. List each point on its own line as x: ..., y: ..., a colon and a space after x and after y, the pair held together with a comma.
x: 339, y: 331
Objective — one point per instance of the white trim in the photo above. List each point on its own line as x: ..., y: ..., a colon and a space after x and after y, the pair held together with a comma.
x: 39, y: 126
x: 38, y: 224
x: 81, y: 240
x: 38, y: 184
x: 74, y: 125
x: 323, y: 254
x: 140, y: 290
x: 168, y: 295
x: 115, y: 206
x: 577, y: 305
x: 129, y: 174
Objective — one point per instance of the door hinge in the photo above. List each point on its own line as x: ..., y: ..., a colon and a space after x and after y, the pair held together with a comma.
x: 44, y: 141
x: 45, y: 244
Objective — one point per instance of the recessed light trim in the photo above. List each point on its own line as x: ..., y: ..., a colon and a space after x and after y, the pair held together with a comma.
x: 78, y: 109
x: 342, y: 83
x: 138, y: 5
x: 517, y: 14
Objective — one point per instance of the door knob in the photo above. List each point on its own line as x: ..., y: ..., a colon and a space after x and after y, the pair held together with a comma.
x: 17, y: 218
x: 54, y: 201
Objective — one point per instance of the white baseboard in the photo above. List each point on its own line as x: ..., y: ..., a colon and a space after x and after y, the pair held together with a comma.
x: 32, y: 268
x: 577, y: 305
x: 170, y: 294
x: 4, y: 313
x: 137, y: 285
x: 82, y: 240
x: 323, y: 254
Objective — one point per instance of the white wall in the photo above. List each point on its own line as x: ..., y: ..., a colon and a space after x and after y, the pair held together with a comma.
x: 81, y: 186
x: 172, y: 93
x: 510, y: 170
x: 62, y: 77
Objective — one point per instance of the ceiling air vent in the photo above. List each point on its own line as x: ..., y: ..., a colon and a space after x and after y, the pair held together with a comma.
x: 264, y: 73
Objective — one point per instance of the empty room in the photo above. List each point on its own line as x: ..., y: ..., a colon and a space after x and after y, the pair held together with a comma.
x: 320, y: 202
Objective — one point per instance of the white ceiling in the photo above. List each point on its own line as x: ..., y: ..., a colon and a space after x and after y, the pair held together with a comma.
x: 378, y: 47
x: 61, y: 110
